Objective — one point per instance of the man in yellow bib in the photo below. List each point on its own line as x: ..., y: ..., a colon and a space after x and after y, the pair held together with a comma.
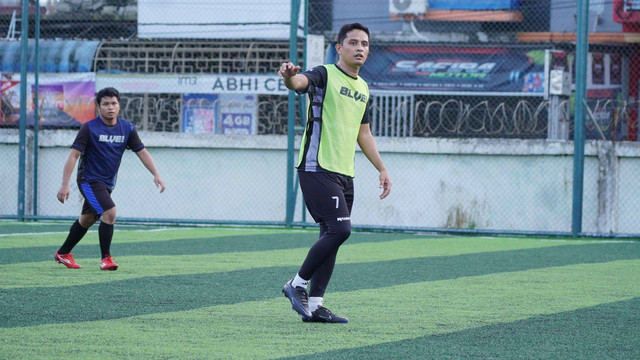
x: 338, y: 117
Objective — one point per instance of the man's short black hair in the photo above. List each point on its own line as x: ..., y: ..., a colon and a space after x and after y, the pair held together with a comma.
x: 108, y: 91
x: 342, y: 34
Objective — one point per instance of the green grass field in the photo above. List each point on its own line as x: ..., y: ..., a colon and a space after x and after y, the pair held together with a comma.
x: 208, y: 293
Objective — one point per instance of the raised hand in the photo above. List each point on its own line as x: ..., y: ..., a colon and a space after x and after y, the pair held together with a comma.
x: 288, y: 69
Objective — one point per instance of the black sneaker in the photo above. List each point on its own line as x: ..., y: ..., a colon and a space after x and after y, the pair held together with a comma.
x: 299, y: 299
x: 324, y: 315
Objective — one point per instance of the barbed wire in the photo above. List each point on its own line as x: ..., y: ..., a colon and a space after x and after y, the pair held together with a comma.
x: 523, y: 118
x: 420, y: 118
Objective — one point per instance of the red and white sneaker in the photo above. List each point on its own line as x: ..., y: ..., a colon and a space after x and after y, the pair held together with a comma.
x: 108, y: 264
x: 66, y: 260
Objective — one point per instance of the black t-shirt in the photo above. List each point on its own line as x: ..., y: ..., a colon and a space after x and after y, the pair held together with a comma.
x: 102, y: 147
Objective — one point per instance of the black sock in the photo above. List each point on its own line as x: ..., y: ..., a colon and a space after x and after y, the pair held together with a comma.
x: 76, y: 232
x: 105, y: 233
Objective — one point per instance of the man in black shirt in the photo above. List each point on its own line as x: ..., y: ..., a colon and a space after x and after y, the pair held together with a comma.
x: 100, y: 144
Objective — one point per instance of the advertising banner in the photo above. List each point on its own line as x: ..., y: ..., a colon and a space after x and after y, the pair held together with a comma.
x: 63, y: 99
x: 199, y: 113
x: 465, y: 71
x: 219, y: 114
x: 238, y: 114
x: 193, y: 84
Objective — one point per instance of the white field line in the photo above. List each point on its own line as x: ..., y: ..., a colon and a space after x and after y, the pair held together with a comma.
x: 145, y: 230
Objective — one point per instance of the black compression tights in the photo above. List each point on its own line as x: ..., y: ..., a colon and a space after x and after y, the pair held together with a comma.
x: 318, y: 266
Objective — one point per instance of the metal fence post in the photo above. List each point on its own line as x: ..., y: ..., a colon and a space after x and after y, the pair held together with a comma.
x: 36, y: 116
x: 24, y: 44
x: 293, y: 57
x: 582, y: 51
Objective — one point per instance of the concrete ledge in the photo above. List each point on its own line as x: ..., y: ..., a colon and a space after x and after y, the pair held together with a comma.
x: 64, y: 138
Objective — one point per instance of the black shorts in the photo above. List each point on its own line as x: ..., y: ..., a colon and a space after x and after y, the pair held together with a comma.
x: 97, y: 198
x: 327, y: 195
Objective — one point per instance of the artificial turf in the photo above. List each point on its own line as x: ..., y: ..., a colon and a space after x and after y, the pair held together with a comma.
x: 207, y: 293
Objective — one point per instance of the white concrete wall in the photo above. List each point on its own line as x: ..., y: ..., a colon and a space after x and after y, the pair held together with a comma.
x: 8, y: 179
x: 206, y: 178
x: 515, y: 185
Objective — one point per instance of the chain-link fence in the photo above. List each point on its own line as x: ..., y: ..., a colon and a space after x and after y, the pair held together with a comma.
x: 472, y: 105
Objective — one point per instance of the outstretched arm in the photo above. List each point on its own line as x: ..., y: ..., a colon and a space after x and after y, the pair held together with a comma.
x: 293, y: 80
x: 63, y: 193
x: 368, y: 146
x: 147, y: 160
